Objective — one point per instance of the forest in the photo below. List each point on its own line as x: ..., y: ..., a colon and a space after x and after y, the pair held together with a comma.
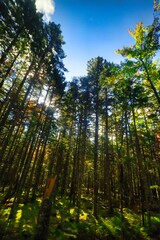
x: 79, y: 159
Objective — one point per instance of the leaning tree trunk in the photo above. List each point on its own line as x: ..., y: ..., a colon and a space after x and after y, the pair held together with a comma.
x: 45, y: 211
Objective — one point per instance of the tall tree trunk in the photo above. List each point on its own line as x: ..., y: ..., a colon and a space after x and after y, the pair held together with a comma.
x: 6, y: 52
x: 95, y: 211
x: 107, y: 176
x: 140, y: 167
x: 150, y: 81
x: 8, y: 70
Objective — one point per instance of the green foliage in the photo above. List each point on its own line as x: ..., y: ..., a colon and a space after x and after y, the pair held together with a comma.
x: 64, y: 224
x: 24, y: 223
x: 145, y: 45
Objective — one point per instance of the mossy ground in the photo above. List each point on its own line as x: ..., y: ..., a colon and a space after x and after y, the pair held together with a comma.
x: 67, y: 222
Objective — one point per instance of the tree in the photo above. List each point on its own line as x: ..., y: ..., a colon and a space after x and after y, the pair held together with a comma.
x: 146, y: 45
x: 95, y: 67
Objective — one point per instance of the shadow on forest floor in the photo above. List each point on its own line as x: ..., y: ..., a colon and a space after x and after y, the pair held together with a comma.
x: 64, y: 223
x: 127, y: 226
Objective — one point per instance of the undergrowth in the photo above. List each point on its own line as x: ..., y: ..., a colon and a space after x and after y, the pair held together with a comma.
x: 68, y: 222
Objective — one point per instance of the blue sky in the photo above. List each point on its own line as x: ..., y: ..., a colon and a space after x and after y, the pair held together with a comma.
x: 94, y: 28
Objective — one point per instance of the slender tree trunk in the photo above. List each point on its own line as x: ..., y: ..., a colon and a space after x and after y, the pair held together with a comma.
x: 150, y: 81
x: 6, y: 52
x: 5, y: 116
x: 95, y: 211
x: 140, y: 168
x: 107, y: 175
x: 66, y: 164
x: 8, y: 70
x: 74, y: 179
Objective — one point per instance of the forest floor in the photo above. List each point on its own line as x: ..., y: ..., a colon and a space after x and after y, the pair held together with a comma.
x: 64, y: 223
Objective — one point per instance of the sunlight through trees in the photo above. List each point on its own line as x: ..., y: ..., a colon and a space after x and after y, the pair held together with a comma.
x: 98, y: 134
